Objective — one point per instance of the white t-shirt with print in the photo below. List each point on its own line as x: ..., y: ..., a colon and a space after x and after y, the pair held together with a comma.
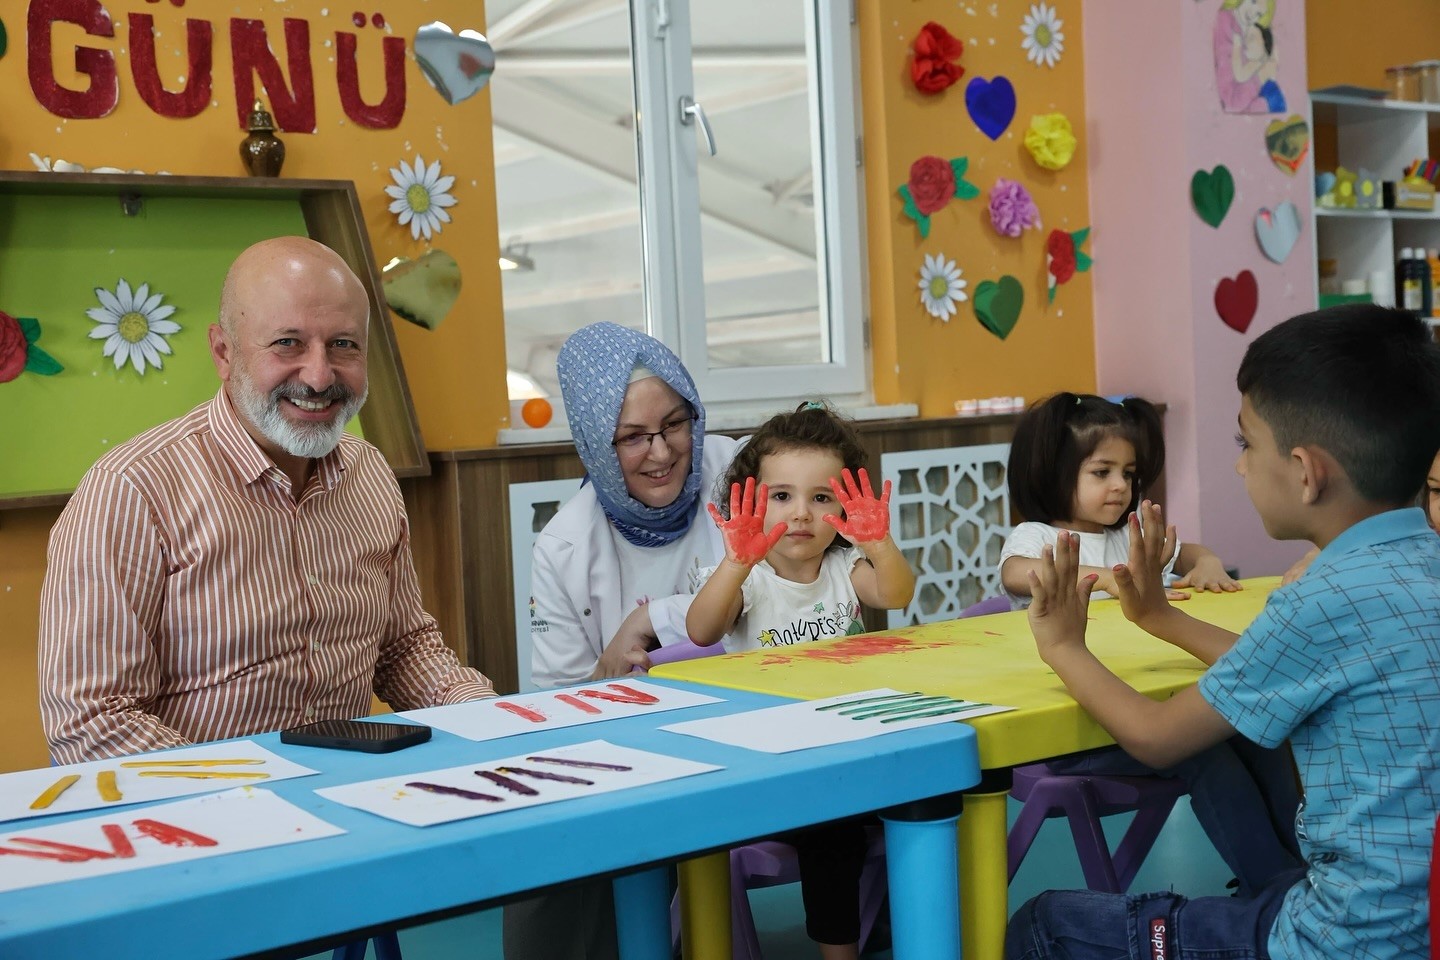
x: 776, y: 612
x: 1096, y: 550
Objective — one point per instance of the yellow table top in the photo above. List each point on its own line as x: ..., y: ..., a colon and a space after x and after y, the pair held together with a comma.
x: 990, y: 659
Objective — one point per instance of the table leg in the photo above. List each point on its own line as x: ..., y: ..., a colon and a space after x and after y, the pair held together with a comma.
x: 705, y: 907
x: 984, y: 876
x: 642, y: 914
x: 924, y: 899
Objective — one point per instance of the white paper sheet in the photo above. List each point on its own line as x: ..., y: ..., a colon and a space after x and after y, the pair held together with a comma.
x: 245, y: 818
x: 19, y: 790
x: 553, y: 709
x: 799, y: 726
x: 394, y: 798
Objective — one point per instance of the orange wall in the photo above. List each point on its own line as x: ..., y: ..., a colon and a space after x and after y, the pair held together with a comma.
x: 1350, y: 43
x: 456, y: 373
x: 919, y: 359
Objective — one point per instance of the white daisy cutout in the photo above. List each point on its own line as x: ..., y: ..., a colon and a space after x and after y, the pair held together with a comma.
x: 1043, y: 41
x: 940, y: 286
x: 421, y: 196
x: 133, y: 325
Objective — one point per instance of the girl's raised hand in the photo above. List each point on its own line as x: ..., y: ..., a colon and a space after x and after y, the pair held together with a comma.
x: 867, y: 520
x: 746, y: 541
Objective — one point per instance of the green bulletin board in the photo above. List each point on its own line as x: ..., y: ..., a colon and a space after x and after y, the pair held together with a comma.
x: 55, y: 249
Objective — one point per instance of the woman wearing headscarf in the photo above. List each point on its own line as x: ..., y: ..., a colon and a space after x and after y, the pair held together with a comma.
x: 611, y: 572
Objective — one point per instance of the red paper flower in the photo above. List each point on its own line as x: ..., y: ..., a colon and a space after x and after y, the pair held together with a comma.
x: 932, y: 184
x: 13, y: 348
x: 1061, y: 248
x: 931, y: 70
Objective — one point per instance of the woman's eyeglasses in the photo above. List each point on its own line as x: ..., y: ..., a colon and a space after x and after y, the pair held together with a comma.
x: 674, y: 432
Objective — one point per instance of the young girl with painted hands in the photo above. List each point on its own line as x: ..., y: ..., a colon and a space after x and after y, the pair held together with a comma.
x: 787, y: 578
x: 1078, y: 462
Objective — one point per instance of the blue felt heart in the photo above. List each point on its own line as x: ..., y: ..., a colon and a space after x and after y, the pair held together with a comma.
x: 991, y: 104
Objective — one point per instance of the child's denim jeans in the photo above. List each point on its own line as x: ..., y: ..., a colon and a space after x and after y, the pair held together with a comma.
x: 1086, y: 925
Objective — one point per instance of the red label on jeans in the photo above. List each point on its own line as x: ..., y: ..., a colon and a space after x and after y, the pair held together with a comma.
x: 1157, y: 939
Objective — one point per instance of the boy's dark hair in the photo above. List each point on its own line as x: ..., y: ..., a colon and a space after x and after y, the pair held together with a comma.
x: 812, y: 425
x: 1055, y: 436
x: 1360, y: 381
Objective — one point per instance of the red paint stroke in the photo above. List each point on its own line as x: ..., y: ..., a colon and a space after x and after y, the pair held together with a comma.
x: 68, y: 852
x: 293, y: 107
x: 386, y: 114
x: 379, y: 20
x: 100, y: 97
x: 523, y: 712
x: 357, y: 18
x: 39, y: 855
x: 577, y: 703
x: 851, y: 649
x: 119, y: 843
x: 625, y: 695
x: 196, y: 95
x: 172, y: 836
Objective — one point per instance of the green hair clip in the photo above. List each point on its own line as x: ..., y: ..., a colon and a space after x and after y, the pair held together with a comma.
x: 812, y: 405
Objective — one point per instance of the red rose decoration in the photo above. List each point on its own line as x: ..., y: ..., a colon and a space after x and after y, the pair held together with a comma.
x: 931, y: 70
x: 13, y: 348
x: 932, y: 184
x: 1061, y: 248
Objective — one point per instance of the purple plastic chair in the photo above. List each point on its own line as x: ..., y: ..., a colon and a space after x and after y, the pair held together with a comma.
x: 1083, y: 799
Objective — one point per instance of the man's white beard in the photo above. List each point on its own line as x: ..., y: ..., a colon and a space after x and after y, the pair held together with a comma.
x: 310, y: 440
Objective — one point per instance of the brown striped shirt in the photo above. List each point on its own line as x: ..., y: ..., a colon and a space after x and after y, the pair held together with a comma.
x: 190, y: 597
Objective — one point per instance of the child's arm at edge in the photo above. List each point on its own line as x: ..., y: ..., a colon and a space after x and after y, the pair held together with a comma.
x: 1015, y: 575
x: 1157, y: 733
x: 717, y: 604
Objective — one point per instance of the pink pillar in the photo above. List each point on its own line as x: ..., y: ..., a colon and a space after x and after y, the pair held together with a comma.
x: 1154, y: 119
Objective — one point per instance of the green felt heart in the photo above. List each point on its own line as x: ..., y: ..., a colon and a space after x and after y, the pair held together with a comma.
x: 1211, y: 193
x: 997, y: 305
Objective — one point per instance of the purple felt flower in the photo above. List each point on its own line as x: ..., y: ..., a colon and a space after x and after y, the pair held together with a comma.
x: 1011, y: 209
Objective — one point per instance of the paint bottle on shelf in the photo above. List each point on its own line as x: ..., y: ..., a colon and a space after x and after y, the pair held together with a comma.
x: 1408, y: 289
x: 1433, y: 263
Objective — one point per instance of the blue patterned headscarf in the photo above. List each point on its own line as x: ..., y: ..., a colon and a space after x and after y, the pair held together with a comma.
x: 594, y: 366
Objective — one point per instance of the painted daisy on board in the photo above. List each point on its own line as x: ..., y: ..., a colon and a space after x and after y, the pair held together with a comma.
x: 1043, y: 41
x: 133, y: 324
x: 941, y: 286
x: 420, y: 196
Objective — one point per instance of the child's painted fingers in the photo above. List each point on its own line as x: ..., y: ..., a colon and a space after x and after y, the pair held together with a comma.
x: 716, y: 515
x: 762, y: 502
x: 885, y: 495
x: 839, y: 524
x: 735, y: 499
x: 747, y: 502
x: 776, y: 532
x: 840, y: 495
x: 865, y: 488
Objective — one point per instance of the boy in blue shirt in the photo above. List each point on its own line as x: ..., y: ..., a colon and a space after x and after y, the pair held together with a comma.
x: 1339, y: 421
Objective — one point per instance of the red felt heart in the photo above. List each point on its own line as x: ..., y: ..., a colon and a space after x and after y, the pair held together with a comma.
x: 1236, y: 300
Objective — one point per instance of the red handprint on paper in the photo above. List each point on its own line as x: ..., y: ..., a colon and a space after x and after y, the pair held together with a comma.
x: 867, y: 520
x: 745, y: 538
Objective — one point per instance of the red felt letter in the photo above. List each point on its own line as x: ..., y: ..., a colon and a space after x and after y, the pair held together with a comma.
x: 100, y: 97
x: 388, y: 112
x: 196, y: 95
x: 293, y: 109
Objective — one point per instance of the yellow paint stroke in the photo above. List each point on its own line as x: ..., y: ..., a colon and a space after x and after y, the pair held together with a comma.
x: 205, y: 774
x: 187, y: 763
x: 52, y: 792
x: 105, y: 783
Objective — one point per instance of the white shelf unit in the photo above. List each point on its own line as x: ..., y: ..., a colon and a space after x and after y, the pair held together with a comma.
x: 1383, y: 137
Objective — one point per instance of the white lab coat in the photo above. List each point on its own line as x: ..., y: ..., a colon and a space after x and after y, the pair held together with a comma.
x: 577, y: 601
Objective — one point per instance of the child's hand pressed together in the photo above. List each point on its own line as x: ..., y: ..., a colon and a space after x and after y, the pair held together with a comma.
x: 1061, y: 599
x: 1140, y: 583
x: 746, y: 542
x: 867, y: 519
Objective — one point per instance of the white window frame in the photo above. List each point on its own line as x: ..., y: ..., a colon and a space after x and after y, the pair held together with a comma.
x: 670, y: 206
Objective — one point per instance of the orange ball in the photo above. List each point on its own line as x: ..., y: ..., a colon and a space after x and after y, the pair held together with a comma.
x: 537, y: 412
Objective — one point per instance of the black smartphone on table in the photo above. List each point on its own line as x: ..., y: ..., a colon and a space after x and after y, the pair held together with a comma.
x: 364, y: 735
